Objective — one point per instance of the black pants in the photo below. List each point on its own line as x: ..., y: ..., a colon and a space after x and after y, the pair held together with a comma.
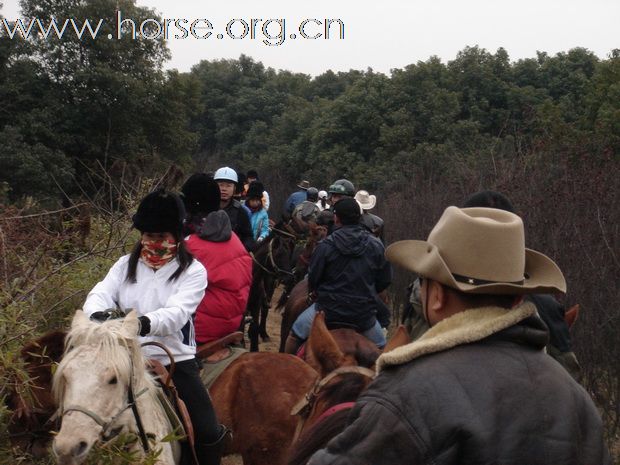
x: 187, y: 380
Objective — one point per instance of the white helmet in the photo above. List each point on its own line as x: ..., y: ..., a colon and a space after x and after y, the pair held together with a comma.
x: 322, y: 195
x: 226, y: 174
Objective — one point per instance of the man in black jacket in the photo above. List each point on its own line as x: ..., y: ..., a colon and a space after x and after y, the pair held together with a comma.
x: 239, y: 217
x: 477, y: 387
x: 347, y: 271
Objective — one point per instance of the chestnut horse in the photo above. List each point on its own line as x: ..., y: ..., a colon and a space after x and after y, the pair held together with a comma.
x: 30, y: 400
x: 254, y: 397
x: 323, y: 411
x: 298, y: 300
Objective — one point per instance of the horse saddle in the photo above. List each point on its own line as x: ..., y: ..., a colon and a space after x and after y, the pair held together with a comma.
x: 217, y: 350
x: 173, y: 405
x: 217, y: 355
x: 343, y: 325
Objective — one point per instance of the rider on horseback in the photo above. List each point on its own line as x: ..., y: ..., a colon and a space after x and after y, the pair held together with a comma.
x: 164, y: 284
x: 346, y: 272
x: 340, y: 189
x: 227, y: 179
x: 228, y: 265
x: 306, y: 212
x: 372, y: 222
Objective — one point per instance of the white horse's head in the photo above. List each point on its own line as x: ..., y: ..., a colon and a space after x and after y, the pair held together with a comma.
x: 102, y: 364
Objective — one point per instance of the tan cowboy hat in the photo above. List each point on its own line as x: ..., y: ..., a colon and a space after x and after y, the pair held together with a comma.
x: 366, y: 200
x: 304, y: 184
x: 479, y: 251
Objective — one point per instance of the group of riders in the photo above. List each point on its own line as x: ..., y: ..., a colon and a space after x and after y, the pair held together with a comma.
x: 479, y: 348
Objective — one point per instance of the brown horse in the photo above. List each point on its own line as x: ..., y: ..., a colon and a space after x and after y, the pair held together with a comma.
x: 272, y: 263
x: 298, y: 300
x: 253, y: 397
x: 30, y: 400
x: 324, y: 410
x: 294, y: 290
x: 316, y: 233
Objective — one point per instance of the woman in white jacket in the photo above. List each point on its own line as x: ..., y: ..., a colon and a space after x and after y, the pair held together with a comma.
x: 162, y: 282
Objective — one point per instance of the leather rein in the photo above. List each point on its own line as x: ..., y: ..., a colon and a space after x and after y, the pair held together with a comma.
x: 276, y: 269
x: 107, y: 434
x: 304, y: 407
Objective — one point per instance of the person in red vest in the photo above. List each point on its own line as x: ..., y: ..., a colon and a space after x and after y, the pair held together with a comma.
x: 228, y: 264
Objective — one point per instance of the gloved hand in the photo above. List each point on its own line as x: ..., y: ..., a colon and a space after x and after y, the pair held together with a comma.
x: 108, y: 314
x: 145, y: 326
x: 260, y: 239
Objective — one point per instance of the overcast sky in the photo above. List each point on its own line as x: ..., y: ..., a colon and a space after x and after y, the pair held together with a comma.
x: 384, y: 34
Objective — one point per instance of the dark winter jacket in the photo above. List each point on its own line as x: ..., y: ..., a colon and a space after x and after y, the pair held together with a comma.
x: 374, y: 224
x: 552, y: 313
x: 240, y: 223
x: 477, y: 388
x: 347, y: 270
x: 229, y: 277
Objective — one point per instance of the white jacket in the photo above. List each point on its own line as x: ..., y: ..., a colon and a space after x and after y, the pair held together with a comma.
x: 170, y: 305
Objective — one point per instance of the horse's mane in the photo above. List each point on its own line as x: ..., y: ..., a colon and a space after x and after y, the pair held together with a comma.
x: 317, y: 437
x: 346, y: 388
x: 352, y: 343
x: 111, y: 346
x: 367, y: 356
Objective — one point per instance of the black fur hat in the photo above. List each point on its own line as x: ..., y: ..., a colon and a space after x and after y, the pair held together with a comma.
x: 159, y: 212
x: 201, y: 194
x: 255, y: 191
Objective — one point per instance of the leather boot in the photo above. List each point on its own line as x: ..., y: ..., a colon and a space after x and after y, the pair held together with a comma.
x: 292, y: 345
x: 211, y: 454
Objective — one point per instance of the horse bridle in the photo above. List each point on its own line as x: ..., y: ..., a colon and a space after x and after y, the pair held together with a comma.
x: 304, y: 407
x: 276, y: 269
x: 106, y: 425
x: 132, y: 398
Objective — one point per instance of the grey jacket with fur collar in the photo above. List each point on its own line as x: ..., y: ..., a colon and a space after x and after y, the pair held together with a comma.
x: 477, y: 388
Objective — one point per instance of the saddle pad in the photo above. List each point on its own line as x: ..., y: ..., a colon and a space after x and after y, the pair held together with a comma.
x: 173, y: 417
x: 211, y: 370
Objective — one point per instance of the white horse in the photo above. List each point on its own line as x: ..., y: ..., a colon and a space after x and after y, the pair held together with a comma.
x: 103, y: 389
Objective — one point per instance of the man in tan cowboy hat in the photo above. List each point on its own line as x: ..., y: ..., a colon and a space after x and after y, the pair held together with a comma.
x: 477, y: 387
x: 370, y: 221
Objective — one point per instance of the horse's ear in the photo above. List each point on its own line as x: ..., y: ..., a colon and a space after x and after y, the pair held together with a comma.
x: 131, y: 325
x: 571, y: 315
x: 79, y: 319
x: 399, y: 338
x: 322, y: 351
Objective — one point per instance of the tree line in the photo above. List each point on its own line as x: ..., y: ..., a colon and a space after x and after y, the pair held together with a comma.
x: 76, y: 104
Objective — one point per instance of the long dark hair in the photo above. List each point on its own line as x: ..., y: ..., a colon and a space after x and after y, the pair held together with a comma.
x: 183, y: 256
